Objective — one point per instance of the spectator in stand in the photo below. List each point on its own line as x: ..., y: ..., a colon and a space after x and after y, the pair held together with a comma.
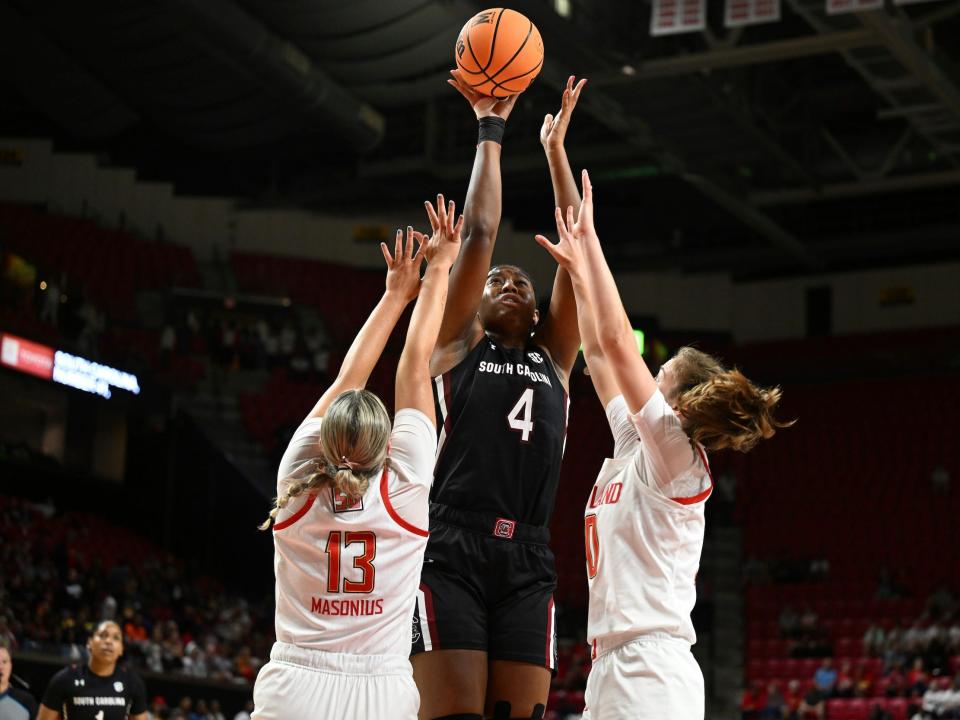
x: 752, y: 701
x: 917, y: 678
x: 878, y: 713
x: 844, y: 687
x: 245, y: 713
x: 953, y: 639
x: 50, y: 310
x: 215, y: 712
x: 15, y: 704
x: 812, y: 705
x: 789, y: 622
x: 873, y: 640
x: 792, y: 698
x: 825, y: 678
x: 893, y: 653
x: 158, y: 708
x: 808, y: 622
x: 937, y: 698
x: 894, y: 682
x: 775, y: 704
x: 863, y: 681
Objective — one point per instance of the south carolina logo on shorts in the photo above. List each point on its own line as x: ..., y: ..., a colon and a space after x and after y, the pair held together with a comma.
x: 536, y: 357
x: 118, y: 686
x: 504, y: 528
x: 342, y: 504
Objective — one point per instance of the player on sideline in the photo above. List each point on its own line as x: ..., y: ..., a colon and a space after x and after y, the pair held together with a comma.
x: 644, y: 521
x: 484, y: 636
x: 352, y: 510
x: 98, y: 690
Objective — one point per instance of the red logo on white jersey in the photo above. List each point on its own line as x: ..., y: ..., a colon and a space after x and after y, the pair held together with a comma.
x: 609, y: 496
x: 341, y: 503
x: 504, y: 528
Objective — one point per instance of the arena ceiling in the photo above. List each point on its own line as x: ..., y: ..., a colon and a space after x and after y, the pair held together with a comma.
x: 811, y: 144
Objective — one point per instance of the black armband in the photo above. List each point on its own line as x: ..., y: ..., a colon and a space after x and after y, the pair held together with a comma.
x: 492, y: 128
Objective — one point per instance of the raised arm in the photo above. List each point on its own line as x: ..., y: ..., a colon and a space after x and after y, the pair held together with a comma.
x: 560, y: 331
x: 614, y: 331
x: 403, y: 283
x: 571, y: 255
x: 413, y: 371
x: 481, y: 213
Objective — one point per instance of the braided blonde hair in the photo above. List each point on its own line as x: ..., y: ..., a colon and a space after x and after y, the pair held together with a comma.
x: 354, y: 439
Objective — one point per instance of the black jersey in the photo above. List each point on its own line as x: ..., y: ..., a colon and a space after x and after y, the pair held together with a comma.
x: 502, y: 422
x: 78, y: 693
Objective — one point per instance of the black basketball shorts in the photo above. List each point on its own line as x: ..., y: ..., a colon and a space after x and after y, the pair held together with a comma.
x: 487, y: 584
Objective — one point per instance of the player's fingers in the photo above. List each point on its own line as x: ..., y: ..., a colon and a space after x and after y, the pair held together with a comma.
x: 570, y: 218
x: 386, y: 255
x: 549, y: 247
x: 432, y: 214
x: 451, y: 214
x: 458, y: 227
x: 587, y: 188
x: 409, y: 249
x: 577, y: 89
x: 561, y: 227
x: 398, y: 246
x: 441, y: 210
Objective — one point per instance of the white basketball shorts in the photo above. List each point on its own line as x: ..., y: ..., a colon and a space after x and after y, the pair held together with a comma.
x: 652, y: 678
x: 302, y: 684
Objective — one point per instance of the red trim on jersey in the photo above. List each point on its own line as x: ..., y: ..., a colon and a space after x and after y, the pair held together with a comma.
x: 431, y: 618
x: 297, y: 515
x: 385, y: 494
x: 699, y: 497
x: 548, y: 654
x: 593, y: 652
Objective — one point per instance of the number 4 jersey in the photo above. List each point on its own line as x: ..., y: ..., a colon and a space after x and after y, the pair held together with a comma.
x: 347, y: 573
x: 502, y: 420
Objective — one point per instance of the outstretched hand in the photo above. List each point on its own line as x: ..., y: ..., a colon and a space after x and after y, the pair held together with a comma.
x: 483, y: 106
x: 554, y: 128
x: 444, y: 244
x: 403, y: 267
x: 572, y: 233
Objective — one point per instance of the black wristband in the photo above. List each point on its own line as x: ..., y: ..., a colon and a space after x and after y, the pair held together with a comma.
x: 492, y: 128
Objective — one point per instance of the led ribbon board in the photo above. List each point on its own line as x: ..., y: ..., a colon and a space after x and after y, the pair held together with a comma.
x: 62, y: 367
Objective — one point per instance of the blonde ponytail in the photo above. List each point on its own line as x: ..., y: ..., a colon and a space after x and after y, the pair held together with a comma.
x: 354, y: 439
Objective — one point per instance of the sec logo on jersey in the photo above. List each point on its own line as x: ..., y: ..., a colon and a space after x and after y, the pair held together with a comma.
x: 118, y: 686
x: 536, y: 357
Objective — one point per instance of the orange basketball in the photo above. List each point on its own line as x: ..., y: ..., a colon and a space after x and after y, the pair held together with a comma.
x: 499, y: 52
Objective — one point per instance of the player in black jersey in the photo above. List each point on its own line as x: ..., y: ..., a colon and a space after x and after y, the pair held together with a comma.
x: 98, y: 690
x: 484, y: 637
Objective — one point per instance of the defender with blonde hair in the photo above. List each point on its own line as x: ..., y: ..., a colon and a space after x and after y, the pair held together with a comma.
x: 644, y: 520
x: 350, y: 521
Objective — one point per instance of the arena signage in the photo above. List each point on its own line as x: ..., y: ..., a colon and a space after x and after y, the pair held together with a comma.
x: 64, y: 368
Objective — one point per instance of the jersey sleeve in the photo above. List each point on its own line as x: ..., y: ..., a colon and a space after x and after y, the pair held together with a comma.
x: 57, y: 691
x: 667, y: 450
x: 413, y: 449
x: 625, y: 438
x: 138, y: 695
x: 300, y: 458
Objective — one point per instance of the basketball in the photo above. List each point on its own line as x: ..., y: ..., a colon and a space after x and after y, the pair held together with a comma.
x: 500, y: 52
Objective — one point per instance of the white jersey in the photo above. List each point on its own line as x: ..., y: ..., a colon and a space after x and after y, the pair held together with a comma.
x: 644, y: 527
x: 348, y: 575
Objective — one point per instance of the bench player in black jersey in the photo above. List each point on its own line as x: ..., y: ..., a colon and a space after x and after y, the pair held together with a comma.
x: 484, y: 640
x: 98, y: 690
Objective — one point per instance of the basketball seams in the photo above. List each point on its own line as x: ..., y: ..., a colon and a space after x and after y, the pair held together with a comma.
x: 493, y: 41
x: 519, y: 50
